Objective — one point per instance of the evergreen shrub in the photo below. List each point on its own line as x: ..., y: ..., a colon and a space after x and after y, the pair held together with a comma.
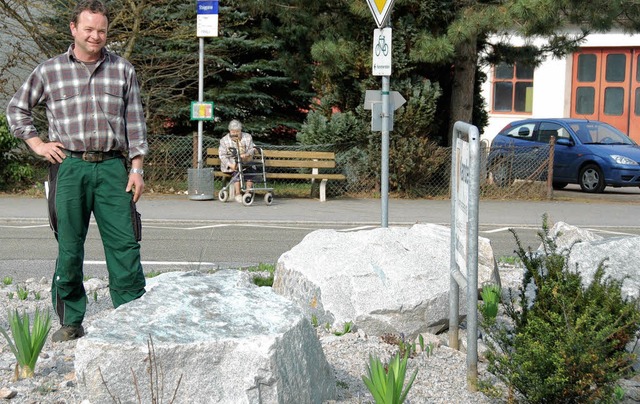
x: 15, y: 172
x: 562, y: 341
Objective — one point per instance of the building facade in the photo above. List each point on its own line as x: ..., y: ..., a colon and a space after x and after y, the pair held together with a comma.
x: 599, y: 81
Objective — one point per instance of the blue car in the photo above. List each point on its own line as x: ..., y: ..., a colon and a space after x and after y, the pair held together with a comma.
x: 592, y: 154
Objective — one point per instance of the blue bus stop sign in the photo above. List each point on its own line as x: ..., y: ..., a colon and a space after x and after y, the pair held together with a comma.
x: 207, y: 23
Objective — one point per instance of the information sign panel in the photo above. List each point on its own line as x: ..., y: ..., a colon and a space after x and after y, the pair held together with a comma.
x: 462, y: 203
x: 207, y: 18
x: 381, y: 52
x: 201, y: 111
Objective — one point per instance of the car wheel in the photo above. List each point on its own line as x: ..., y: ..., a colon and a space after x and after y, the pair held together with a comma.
x: 559, y: 185
x: 502, y: 173
x: 591, y: 179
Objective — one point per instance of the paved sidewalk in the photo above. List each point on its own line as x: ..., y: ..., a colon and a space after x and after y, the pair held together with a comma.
x: 351, y: 211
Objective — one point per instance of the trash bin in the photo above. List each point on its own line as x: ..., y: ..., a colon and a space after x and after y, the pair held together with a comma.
x: 200, y: 184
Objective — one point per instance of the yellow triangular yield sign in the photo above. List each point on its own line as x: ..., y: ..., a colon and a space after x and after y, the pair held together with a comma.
x: 380, y: 10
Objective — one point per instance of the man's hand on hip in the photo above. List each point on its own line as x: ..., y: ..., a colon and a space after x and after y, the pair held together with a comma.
x: 52, y: 151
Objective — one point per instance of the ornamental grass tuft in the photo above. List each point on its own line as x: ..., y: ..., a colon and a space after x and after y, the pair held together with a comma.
x: 490, y: 300
x: 385, y: 383
x: 27, y: 342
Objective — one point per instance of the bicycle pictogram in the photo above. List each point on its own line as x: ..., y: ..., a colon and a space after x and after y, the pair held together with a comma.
x: 382, y: 46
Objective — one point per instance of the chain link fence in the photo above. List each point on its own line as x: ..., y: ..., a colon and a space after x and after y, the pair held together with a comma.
x: 505, y: 174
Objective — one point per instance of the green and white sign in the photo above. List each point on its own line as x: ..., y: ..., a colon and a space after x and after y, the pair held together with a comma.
x: 201, y: 111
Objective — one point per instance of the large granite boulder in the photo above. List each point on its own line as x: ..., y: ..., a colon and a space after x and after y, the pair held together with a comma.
x: 385, y: 280
x: 620, y: 255
x: 213, y: 339
x: 566, y: 235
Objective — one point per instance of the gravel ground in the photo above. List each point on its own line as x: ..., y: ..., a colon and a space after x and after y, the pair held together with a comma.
x: 441, y: 374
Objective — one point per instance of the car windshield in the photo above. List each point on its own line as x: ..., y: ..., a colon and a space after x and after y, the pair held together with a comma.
x: 600, y: 133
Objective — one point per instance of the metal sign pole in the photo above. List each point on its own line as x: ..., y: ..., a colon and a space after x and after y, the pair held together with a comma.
x: 380, y: 9
x: 200, y: 98
x: 384, y: 178
x: 465, y: 196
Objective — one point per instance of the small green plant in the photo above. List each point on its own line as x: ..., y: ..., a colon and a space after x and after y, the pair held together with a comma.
x: 27, y: 342
x: 618, y: 392
x: 36, y: 295
x: 385, y: 382
x: 490, y: 301
x: 23, y: 293
x: 346, y: 329
x: 509, y: 259
x: 7, y: 280
x: 489, y: 389
x: 259, y: 280
x: 428, y: 349
x: 95, y: 296
x: 314, y: 321
x: 152, y: 274
x: 405, y: 347
x: 10, y: 295
x: 262, y: 267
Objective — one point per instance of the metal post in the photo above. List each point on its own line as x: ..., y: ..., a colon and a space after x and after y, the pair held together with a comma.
x: 468, y: 231
x: 454, y: 289
x: 200, y: 98
x: 552, y: 148
x: 384, y: 185
x: 472, y: 261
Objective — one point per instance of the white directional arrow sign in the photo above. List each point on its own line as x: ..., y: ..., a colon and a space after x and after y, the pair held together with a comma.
x: 373, y: 101
x: 373, y: 96
x: 380, y: 10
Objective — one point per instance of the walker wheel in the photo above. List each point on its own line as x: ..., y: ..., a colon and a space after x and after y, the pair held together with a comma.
x: 247, y: 199
x: 223, y: 195
x: 268, y: 198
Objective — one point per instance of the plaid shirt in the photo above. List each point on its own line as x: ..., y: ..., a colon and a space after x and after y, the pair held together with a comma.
x: 99, y: 111
x: 245, y: 146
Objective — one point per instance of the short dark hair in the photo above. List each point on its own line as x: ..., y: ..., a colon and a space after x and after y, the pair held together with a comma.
x: 94, y: 6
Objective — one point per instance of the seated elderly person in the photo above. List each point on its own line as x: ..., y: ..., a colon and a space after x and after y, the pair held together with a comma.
x: 236, y: 146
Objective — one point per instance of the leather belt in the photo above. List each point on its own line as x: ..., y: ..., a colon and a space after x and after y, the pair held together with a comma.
x: 93, y: 156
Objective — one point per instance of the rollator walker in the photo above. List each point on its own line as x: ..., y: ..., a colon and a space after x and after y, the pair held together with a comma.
x: 254, y: 171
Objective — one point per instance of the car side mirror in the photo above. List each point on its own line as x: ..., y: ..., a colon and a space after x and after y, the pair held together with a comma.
x: 564, y: 141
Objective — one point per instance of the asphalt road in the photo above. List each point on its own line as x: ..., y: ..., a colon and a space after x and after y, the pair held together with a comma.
x: 184, y: 234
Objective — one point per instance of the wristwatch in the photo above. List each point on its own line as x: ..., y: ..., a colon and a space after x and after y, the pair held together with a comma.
x: 136, y: 171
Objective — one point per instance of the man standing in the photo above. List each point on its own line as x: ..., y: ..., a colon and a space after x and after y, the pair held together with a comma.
x: 94, y: 114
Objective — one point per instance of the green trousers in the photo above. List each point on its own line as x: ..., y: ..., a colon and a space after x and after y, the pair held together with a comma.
x: 82, y: 188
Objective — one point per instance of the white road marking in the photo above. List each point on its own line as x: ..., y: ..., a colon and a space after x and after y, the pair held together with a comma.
x: 25, y: 227
x: 149, y: 263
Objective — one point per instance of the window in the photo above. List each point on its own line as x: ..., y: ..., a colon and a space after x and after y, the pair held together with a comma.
x: 524, y: 132
x: 513, y: 88
x: 548, y: 129
x: 585, y: 100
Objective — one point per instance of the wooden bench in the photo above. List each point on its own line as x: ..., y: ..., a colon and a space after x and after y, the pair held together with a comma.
x: 290, y: 159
